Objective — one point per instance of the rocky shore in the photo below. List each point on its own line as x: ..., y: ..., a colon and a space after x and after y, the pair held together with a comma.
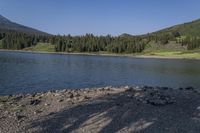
x: 105, y: 110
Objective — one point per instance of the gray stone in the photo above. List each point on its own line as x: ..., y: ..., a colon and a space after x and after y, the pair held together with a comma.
x: 60, y: 100
x: 71, y: 95
x: 37, y: 112
x: 86, y: 97
x: 35, y: 102
x: 18, y: 116
x: 46, y: 104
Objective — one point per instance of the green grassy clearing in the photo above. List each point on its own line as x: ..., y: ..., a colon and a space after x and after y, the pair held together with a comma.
x: 41, y: 47
x: 170, y: 50
x: 179, y: 54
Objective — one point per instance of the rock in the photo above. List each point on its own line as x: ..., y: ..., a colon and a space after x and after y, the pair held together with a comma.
x: 42, y: 95
x: 86, y: 97
x: 51, y: 113
x: 52, y: 91
x: 180, y: 88
x: 34, y: 94
x: 147, y: 87
x: 189, y: 88
x: 157, y: 99
x: 68, y: 99
x: 71, y: 95
x: 56, y: 94
x: 107, y: 88
x: 18, y: 117
x: 76, y: 98
x: 128, y: 89
x: 130, y: 96
x: 18, y: 97
x: 6, y: 112
x: 60, y: 100
x: 35, y: 102
x: 137, y: 88
x: 195, y: 91
x: 77, y: 95
x: 156, y: 102
x: 57, y: 91
x: 63, y: 91
x: 46, y: 104
x: 154, y: 97
x: 119, y: 104
x: 1, y: 105
x: 164, y: 88
x: 48, y: 93
x: 37, y: 112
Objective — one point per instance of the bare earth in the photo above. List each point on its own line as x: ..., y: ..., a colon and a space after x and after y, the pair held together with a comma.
x: 103, y: 110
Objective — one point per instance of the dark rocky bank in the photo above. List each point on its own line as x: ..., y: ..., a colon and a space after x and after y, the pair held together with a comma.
x: 109, y: 109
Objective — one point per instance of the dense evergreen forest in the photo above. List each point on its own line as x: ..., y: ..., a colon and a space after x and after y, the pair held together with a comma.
x: 91, y: 43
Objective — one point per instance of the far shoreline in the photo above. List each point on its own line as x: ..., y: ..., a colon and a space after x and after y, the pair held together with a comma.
x: 140, y: 56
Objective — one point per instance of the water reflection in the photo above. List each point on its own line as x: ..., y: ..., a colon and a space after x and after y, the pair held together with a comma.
x: 28, y: 72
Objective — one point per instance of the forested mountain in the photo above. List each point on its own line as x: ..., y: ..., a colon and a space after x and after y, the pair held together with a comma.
x: 186, y: 29
x: 7, y: 25
x: 15, y: 36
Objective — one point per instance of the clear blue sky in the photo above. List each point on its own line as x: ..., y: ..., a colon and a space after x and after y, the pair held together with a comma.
x: 100, y: 17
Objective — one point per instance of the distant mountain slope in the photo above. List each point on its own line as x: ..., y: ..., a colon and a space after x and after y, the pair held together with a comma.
x: 7, y: 25
x: 125, y: 35
x: 186, y: 29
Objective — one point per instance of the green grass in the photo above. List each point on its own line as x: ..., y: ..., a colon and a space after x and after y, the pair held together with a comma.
x: 171, y: 46
x: 179, y: 54
x: 170, y: 50
x: 41, y: 47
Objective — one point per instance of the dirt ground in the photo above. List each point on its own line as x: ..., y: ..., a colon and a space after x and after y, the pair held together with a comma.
x: 103, y: 110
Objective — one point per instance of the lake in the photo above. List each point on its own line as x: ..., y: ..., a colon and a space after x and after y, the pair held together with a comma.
x: 34, y: 72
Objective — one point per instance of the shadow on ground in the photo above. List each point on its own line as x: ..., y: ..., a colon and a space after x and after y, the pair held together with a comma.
x: 121, y: 113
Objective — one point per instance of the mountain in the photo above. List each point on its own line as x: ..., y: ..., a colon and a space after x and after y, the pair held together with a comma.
x: 7, y: 25
x: 186, y: 29
x: 126, y: 35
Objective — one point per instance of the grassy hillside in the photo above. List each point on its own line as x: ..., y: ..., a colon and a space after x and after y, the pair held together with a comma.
x: 172, y: 49
x: 182, y: 40
x: 42, y: 47
x: 186, y: 29
x: 171, y: 46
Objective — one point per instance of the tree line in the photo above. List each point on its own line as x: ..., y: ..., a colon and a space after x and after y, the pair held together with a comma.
x: 191, y: 42
x: 91, y: 43
x: 17, y: 41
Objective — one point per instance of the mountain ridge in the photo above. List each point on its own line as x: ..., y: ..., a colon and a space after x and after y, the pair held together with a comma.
x: 188, y: 28
x: 8, y: 25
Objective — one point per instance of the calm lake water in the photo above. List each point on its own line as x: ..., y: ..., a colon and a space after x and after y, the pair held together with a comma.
x: 31, y: 72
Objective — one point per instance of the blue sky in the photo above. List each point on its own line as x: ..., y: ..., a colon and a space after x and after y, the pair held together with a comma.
x: 100, y: 17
